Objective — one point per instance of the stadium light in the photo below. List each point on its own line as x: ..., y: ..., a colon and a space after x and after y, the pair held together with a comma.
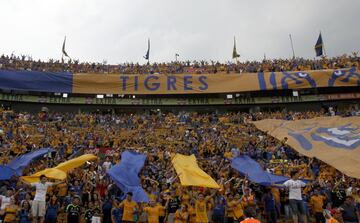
x: 134, y: 96
x: 65, y: 95
x: 100, y: 96
x: 295, y: 94
x: 109, y: 95
x: 229, y: 96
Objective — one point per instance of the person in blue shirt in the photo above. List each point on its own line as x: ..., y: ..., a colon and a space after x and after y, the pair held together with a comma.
x: 219, y: 210
x: 77, y: 188
x: 69, y: 198
x: 270, y: 208
x: 106, y: 210
x: 52, y: 210
x: 116, y: 212
x: 24, y: 213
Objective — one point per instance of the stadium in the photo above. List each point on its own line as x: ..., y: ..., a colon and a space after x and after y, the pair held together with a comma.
x: 186, y: 141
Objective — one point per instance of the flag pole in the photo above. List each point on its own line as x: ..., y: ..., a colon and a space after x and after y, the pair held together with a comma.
x: 236, y: 58
x: 62, y: 51
x: 148, y: 59
x: 292, y: 46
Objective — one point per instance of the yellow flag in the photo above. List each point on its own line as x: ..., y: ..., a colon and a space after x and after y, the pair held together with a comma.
x: 76, y: 162
x: 190, y: 173
x: 59, y: 172
x: 51, y: 173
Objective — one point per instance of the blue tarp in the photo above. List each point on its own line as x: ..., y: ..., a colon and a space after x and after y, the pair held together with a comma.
x: 247, y: 166
x: 125, y: 175
x: 36, y: 81
x: 6, y: 172
x: 18, y: 164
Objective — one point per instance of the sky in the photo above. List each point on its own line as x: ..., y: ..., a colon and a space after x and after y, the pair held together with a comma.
x: 116, y: 31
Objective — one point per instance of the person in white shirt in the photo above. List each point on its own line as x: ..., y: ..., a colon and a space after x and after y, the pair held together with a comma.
x: 296, y: 203
x: 107, y: 164
x: 38, y: 207
x: 5, y: 200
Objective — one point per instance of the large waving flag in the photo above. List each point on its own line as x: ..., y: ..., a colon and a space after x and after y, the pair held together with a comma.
x: 19, y: 163
x: 334, y: 140
x: 190, y: 173
x: 60, y: 171
x: 6, y: 172
x: 252, y: 169
x: 125, y: 175
x: 75, y: 163
x: 51, y: 173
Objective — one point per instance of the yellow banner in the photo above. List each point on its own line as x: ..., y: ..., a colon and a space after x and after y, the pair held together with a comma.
x: 76, y: 162
x: 334, y: 140
x: 211, y: 83
x: 190, y: 173
x: 59, y: 172
x: 51, y: 173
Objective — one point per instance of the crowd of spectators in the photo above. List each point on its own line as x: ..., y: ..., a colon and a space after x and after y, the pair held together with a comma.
x: 89, y: 195
x: 199, y: 67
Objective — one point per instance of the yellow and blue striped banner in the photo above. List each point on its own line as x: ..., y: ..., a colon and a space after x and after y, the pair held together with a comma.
x: 175, y: 83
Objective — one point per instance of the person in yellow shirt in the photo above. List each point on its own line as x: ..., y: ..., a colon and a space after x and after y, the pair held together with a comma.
x: 185, y: 198
x: 191, y: 211
x: 182, y: 214
x: 161, y: 211
x: 317, y: 203
x: 153, y: 212
x: 228, y: 155
x: 230, y: 203
x: 276, y: 194
x: 129, y: 207
x: 238, y: 208
x: 200, y: 208
x: 11, y: 211
x: 210, y: 206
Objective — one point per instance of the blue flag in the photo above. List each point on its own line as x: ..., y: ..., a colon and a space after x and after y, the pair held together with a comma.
x: 319, y: 46
x: 6, y: 172
x: 249, y: 167
x: 18, y: 164
x: 125, y: 175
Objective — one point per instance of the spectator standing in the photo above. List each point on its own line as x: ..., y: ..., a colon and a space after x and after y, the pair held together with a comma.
x: 73, y: 211
x: 350, y: 214
x: 38, y: 208
x: 130, y: 208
